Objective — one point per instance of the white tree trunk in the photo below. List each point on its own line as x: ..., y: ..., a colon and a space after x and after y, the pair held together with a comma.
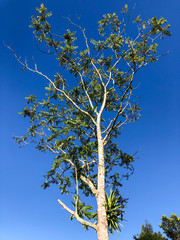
x: 102, y: 228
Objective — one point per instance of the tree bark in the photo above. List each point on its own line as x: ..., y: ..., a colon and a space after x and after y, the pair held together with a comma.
x: 102, y: 226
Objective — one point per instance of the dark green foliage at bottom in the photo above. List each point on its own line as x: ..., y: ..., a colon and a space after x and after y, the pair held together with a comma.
x: 148, y: 234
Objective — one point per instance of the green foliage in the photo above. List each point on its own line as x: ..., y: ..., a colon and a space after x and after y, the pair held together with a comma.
x: 114, y: 209
x: 101, y: 87
x: 171, y: 226
x: 148, y: 234
x: 83, y: 210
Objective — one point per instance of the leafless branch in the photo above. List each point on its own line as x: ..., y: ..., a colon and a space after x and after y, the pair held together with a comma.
x: 90, y: 184
x: 82, y: 221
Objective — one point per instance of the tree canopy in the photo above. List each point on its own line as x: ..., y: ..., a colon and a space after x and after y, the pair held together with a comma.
x: 148, y: 234
x: 171, y: 226
x: 84, y: 111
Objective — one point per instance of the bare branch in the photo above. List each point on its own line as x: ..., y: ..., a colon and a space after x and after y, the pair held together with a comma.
x: 86, y: 92
x: 90, y: 184
x: 77, y: 191
x: 82, y: 221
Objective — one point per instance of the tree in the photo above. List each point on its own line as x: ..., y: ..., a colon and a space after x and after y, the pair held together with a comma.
x: 82, y: 116
x: 171, y: 226
x: 148, y: 234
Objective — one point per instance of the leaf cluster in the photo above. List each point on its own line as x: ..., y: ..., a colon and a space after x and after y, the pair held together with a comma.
x: 171, y: 226
x: 148, y: 234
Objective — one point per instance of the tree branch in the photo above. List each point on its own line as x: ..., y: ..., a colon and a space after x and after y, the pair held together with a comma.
x: 90, y: 101
x: 89, y: 183
x: 120, y: 111
x: 85, y: 179
x: 82, y: 221
x: 25, y: 65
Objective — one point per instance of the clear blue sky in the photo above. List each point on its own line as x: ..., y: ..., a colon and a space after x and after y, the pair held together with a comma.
x: 30, y: 213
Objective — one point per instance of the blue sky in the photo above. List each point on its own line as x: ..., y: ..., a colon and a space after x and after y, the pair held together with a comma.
x: 31, y: 213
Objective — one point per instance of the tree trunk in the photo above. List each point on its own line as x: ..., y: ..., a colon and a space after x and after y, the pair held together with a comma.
x: 102, y: 227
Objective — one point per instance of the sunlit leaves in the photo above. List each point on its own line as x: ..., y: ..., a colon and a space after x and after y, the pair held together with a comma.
x: 96, y: 75
x: 114, y: 209
x: 137, y: 20
x: 171, y: 226
x: 56, y: 124
x: 157, y: 27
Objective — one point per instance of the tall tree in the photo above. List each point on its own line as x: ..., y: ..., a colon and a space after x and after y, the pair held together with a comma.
x: 83, y: 113
x: 148, y: 234
x: 171, y: 226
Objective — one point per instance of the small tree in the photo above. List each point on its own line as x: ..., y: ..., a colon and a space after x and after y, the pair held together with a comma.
x: 171, y: 226
x: 82, y: 116
x: 148, y: 234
